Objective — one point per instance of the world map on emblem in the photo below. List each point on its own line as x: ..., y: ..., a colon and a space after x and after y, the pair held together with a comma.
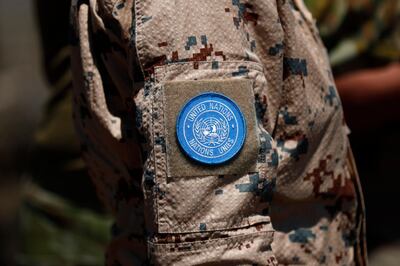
x: 211, y: 128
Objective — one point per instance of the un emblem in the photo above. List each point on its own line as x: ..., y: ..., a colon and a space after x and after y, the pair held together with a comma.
x: 211, y: 128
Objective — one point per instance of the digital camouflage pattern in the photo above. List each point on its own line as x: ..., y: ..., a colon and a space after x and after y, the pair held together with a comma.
x: 302, y: 205
x: 358, y: 30
x: 365, y: 35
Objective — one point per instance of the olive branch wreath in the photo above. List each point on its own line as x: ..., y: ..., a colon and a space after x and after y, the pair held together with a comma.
x: 202, y: 138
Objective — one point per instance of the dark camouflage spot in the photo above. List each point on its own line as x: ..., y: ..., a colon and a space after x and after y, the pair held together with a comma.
x: 302, y: 236
x: 294, y: 66
x: 277, y: 49
x: 241, y: 72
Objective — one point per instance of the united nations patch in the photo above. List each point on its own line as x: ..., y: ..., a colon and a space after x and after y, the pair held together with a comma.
x: 210, y: 128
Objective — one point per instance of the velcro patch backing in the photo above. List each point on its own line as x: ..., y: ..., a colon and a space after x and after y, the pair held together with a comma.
x: 177, y: 93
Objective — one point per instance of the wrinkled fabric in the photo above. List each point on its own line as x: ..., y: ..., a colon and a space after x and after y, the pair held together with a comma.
x: 362, y: 35
x: 302, y: 204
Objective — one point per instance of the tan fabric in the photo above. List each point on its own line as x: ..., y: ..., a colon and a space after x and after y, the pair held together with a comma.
x: 301, y: 205
x: 240, y: 91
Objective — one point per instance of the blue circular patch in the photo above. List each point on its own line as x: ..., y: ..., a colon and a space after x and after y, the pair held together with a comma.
x: 211, y: 128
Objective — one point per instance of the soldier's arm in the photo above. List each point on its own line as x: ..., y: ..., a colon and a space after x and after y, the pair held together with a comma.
x: 185, y: 108
x: 185, y: 192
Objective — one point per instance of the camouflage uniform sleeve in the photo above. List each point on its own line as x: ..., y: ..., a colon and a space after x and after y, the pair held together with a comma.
x: 200, y: 193
x: 105, y: 84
